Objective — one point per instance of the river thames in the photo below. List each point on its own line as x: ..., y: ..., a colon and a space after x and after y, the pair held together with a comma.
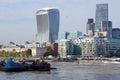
x: 69, y: 71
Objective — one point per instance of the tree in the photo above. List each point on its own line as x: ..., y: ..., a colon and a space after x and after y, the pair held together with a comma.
x: 117, y: 54
x: 29, y: 52
x: 118, y: 50
x: 15, y: 54
x: 48, y: 52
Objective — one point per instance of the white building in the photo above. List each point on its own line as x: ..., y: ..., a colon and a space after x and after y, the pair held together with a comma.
x: 65, y: 48
x: 38, y: 51
x: 37, y: 48
x: 91, y: 46
x: 11, y: 47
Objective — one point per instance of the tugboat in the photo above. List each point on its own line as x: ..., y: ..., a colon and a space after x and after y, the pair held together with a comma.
x: 26, y: 65
x: 37, y: 65
x: 11, y: 66
x: 41, y: 66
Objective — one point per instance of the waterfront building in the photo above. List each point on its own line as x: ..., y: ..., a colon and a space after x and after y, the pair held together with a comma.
x: 70, y: 35
x: 34, y: 44
x: 37, y: 48
x: 12, y: 47
x: 91, y: 46
x: 47, y: 25
x: 101, y: 15
x: 116, y: 33
x: 65, y: 48
x: 90, y: 27
x: 112, y: 44
x: 54, y: 49
x: 38, y: 51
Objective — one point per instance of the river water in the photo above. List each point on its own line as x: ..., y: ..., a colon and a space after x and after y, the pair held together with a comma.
x: 69, y: 71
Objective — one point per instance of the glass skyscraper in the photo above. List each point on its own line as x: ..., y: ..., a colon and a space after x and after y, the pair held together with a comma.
x: 101, y: 15
x: 90, y: 27
x: 69, y: 35
x: 47, y: 25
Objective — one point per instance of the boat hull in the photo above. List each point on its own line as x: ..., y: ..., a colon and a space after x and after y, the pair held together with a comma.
x: 12, y: 69
x: 41, y: 67
x: 37, y: 67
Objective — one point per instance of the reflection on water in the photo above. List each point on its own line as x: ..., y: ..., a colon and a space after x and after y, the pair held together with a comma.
x: 69, y: 71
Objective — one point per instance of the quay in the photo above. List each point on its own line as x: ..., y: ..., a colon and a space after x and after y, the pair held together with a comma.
x: 101, y: 60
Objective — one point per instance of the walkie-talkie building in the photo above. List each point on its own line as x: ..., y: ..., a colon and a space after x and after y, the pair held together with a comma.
x: 101, y: 15
x: 47, y: 25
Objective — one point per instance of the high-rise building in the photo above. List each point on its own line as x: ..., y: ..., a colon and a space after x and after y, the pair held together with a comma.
x: 47, y: 25
x: 101, y: 15
x: 116, y: 33
x: 90, y: 27
x: 104, y: 25
x: 106, y: 29
x: 70, y: 35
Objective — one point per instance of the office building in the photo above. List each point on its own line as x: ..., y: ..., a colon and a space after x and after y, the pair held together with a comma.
x: 47, y: 25
x: 101, y: 15
x: 116, y: 33
x: 106, y: 29
x: 70, y: 35
x: 112, y: 45
x: 90, y: 27
x: 109, y: 29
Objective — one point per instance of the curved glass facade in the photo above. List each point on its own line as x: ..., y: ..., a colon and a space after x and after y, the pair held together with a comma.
x: 47, y: 25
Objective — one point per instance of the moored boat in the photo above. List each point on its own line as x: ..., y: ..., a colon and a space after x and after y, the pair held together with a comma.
x: 41, y: 67
x: 37, y: 65
x: 29, y: 65
x: 11, y: 66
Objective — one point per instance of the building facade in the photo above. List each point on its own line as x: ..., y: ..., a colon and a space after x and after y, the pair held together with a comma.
x: 106, y: 29
x: 116, y: 33
x: 12, y: 47
x: 47, y: 25
x: 90, y: 27
x: 91, y: 46
x: 69, y: 35
x: 65, y: 48
x: 112, y: 45
x: 54, y: 48
x: 36, y: 48
x: 101, y: 15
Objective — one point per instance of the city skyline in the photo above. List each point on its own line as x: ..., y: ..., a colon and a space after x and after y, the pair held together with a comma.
x: 18, y: 21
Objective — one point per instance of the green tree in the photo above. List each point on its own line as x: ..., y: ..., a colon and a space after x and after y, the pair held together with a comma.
x: 48, y: 52
x: 29, y: 52
x: 118, y: 50
x: 117, y: 53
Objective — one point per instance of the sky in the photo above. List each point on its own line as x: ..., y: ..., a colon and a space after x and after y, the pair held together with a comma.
x: 18, y: 19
